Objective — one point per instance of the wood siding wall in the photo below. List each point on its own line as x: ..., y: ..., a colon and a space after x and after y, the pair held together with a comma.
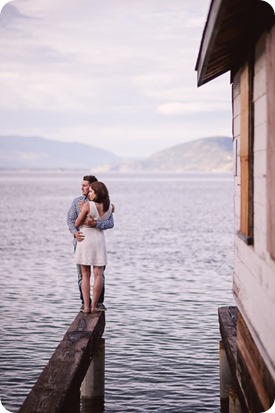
x: 254, y: 269
x: 270, y: 50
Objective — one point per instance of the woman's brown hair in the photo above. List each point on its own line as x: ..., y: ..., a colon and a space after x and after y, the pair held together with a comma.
x: 102, y: 194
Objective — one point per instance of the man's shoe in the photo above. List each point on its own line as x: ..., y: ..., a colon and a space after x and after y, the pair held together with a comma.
x: 81, y: 308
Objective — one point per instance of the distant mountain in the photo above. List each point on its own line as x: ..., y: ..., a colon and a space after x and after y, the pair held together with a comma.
x: 206, y: 154
x: 37, y: 152
x: 213, y: 154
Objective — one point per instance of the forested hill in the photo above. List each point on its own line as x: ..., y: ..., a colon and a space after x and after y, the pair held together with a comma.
x: 205, y: 154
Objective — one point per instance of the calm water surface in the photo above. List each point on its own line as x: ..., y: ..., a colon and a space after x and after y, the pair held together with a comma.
x: 170, y: 264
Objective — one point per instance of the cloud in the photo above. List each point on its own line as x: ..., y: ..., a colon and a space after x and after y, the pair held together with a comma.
x: 121, y: 72
x: 187, y: 108
x: 176, y: 108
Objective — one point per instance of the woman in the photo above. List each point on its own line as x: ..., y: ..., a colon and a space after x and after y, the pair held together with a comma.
x: 92, y: 250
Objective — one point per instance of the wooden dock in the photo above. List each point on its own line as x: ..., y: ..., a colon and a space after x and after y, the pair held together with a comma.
x: 247, y: 382
x: 57, y: 390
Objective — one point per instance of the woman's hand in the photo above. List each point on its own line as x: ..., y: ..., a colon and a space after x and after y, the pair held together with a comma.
x: 90, y: 222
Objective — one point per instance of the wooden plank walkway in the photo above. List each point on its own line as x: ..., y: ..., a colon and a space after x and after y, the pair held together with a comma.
x: 57, y: 390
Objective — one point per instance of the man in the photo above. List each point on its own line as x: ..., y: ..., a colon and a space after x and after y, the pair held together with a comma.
x: 78, y: 236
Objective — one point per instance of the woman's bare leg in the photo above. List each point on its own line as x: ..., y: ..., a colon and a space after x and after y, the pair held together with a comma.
x: 97, y: 286
x: 85, y: 286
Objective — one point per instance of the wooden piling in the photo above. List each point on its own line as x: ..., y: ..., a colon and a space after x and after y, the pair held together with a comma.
x: 225, y: 380
x: 57, y: 390
x: 234, y: 403
x: 228, y: 320
x: 92, y: 387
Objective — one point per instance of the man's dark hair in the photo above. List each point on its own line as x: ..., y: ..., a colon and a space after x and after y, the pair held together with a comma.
x: 90, y: 178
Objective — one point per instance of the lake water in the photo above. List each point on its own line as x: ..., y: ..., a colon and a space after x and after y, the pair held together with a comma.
x: 170, y: 265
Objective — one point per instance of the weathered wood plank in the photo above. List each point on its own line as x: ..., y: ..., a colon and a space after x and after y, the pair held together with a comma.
x: 254, y: 378
x: 228, y: 328
x: 227, y: 321
x: 57, y: 388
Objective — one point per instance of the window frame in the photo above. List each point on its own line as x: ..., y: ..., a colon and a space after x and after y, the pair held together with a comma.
x: 246, y: 146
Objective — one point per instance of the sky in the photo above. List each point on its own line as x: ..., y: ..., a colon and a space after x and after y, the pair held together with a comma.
x: 116, y: 74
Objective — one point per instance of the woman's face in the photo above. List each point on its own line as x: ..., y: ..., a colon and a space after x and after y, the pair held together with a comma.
x: 91, y: 194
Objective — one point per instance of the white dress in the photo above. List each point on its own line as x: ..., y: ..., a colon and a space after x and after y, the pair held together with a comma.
x: 92, y: 250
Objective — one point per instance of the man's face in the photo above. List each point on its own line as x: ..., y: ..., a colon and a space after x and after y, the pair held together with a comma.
x: 85, y: 187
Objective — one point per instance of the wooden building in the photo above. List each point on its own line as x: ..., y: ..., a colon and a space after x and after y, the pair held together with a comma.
x: 239, y: 36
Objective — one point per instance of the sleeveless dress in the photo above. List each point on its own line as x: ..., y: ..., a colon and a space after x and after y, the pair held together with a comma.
x: 92, y: 250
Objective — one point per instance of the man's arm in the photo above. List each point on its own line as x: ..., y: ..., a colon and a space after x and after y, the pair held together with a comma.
x: 71, y: 217
x: 105, y: 223
x: 107, y: 219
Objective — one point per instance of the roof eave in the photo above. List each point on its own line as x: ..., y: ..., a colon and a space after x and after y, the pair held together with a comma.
x: 231, y: 30
x: 210, y: 33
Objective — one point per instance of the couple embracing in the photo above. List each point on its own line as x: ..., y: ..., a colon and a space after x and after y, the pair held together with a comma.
x: 87, y: 217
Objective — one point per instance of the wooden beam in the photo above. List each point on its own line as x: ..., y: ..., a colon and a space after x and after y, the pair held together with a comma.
x: 228, y: 328
x: 57, y: 388
x: 254, y: 378
x: 227, y: 321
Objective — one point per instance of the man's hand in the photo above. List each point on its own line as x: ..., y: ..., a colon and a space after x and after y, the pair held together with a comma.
x: 79, y: 236
x: 90, y: 222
